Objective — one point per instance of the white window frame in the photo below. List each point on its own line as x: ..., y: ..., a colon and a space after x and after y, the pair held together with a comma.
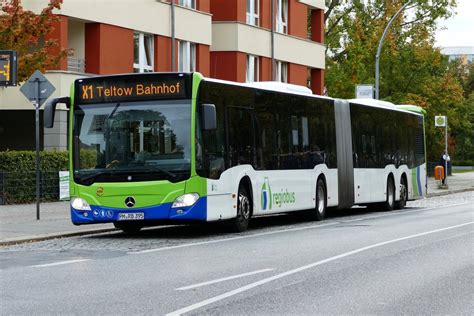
x: 145, y: 65
x: 186, y: 56
x: 253, y: 12
x: 252, y: 70
x: 282, y: 16
x: 281, y: 71
x: 188, y: 3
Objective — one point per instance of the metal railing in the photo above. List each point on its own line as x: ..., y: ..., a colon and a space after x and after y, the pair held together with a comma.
x: 20, y: 186
x: 76, y: 64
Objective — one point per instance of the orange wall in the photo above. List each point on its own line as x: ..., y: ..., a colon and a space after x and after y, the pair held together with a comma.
x: 265, y: 14
x: 229, y: 10
x: 265, y: 69
x: 317, y: 26
x: 297, y: 74
x: 162, y: 53
x: 317, y: 81
x: 202, y: 59
x: 297, y: 17
x: 204, y: 5
x: 60, y: 34
x: 109, y: 49
x: 228, y: 66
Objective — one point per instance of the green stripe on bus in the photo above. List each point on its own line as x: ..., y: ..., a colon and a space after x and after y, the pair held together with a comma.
x: 414, y: 182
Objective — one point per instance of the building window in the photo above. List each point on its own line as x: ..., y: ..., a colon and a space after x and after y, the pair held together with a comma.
x: 143, y: 53
x: 252, y: 12
x: 188, y: 3
x: 252, y: 68
x: 282, y: 16
x: 281, y: 71
x: 186, y: 56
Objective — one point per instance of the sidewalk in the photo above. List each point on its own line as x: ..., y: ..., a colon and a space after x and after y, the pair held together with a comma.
x: 18, y: 222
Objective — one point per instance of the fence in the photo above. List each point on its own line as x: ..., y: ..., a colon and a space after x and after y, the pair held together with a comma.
x: 20, y: 186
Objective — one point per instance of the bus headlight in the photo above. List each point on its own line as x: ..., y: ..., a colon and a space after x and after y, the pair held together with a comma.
x: 80, y: 204
x: 185, y: 200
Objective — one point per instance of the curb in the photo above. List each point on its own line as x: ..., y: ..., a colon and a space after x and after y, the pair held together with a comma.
x: 449, y: 192
x: 24, y: 240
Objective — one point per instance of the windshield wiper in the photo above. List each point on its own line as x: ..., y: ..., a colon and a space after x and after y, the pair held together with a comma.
x: 154, y: 168
x: 91, y: 178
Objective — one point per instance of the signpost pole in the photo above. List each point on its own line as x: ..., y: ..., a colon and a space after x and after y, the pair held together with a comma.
x: 37, y: 106
x: 446, y: 151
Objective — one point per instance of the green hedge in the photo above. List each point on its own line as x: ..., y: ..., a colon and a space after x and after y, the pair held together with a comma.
x: 468, y: 163
x: 18, y: 177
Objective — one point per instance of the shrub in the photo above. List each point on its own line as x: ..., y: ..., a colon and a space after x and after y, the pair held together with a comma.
x: 18, y: 177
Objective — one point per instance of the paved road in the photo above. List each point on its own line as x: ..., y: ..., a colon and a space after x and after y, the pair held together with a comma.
x: 416, y: 261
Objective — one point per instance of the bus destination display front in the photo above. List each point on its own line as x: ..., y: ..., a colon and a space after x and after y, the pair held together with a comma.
x: 132, y: 88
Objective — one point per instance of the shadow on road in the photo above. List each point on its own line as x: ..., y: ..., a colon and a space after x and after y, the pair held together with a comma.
x: 219, y: 229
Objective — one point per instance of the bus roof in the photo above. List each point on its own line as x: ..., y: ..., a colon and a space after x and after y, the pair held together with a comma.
x: 272, y: 86
x: 412, y: 108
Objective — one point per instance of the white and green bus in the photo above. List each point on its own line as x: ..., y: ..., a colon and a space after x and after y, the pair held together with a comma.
x: 174, y: 147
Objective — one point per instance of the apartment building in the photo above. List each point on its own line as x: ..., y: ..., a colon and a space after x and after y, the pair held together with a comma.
x: 238, y: 40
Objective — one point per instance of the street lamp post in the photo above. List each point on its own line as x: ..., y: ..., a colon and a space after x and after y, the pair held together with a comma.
x: 377, y: 57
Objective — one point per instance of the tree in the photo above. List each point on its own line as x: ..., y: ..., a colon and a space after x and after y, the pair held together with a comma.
x: 412, y: 70
x: 27, y: 33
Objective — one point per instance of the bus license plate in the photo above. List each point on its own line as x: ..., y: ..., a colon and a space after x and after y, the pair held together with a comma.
x: 131, y: 216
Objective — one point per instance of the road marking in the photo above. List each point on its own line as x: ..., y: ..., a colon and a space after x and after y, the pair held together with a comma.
x: 59, y: 263
x: 222, y: 279
x: 302, y: 268
x: 231, y: 238
x: 285, y: 230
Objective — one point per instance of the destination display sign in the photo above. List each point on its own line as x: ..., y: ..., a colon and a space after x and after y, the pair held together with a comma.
x: 126, y: 88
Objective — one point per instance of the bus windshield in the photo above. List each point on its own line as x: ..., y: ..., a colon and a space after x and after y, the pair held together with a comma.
x: 132, y: 141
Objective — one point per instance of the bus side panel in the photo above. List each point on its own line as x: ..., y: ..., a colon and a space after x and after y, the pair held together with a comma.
x: 273, y: 191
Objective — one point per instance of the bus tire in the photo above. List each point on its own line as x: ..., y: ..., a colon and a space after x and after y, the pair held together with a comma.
x: 129, y: 228
x: 244, y: 211
x: 403, y: 195
x: 389, y: 203
x: 319, y: 211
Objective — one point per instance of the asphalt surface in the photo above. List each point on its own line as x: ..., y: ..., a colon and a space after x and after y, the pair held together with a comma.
x: 415, y: 261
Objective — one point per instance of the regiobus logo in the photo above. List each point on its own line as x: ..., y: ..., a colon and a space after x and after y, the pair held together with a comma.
x: 268, y: 199
x: 266, y: 195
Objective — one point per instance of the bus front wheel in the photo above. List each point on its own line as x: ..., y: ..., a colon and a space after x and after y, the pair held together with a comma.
x: 244, y: 210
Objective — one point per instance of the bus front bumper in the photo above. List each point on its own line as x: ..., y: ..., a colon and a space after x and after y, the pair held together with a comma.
x: 103, y: 214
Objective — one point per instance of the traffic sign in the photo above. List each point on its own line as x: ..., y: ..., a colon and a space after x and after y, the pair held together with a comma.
x: 8, y: 68
x: 37, y: 89
x: 440, y: 120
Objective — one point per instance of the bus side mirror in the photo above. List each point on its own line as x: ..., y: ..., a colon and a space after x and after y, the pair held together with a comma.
x: 209, y: 117
x: 50, y: 110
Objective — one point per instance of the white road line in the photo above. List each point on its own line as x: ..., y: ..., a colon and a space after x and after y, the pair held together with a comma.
x: 221, y: 280
x: 231, y: 238
x: 302, y: 268
x: 285, y: 230
x: 59, y: 263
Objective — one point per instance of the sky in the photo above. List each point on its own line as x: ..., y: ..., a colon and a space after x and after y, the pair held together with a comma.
x: 459, y: 28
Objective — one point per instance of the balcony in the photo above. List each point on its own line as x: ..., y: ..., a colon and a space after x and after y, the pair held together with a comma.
x: 76, y: 65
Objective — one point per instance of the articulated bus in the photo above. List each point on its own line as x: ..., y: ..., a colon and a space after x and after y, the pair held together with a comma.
x: 174, y: 147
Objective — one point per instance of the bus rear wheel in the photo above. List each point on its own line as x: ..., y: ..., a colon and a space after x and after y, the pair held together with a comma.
x: 403, y: 195
x: 244, y: 211
x: 129, y: 228
x: 389, y: 204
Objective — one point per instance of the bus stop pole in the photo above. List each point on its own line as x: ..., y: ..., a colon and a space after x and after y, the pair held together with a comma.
x: 446, y: 151
x: 37, y: 106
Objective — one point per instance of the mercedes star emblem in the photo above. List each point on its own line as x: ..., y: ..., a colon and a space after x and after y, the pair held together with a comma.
x: 129, y: 201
